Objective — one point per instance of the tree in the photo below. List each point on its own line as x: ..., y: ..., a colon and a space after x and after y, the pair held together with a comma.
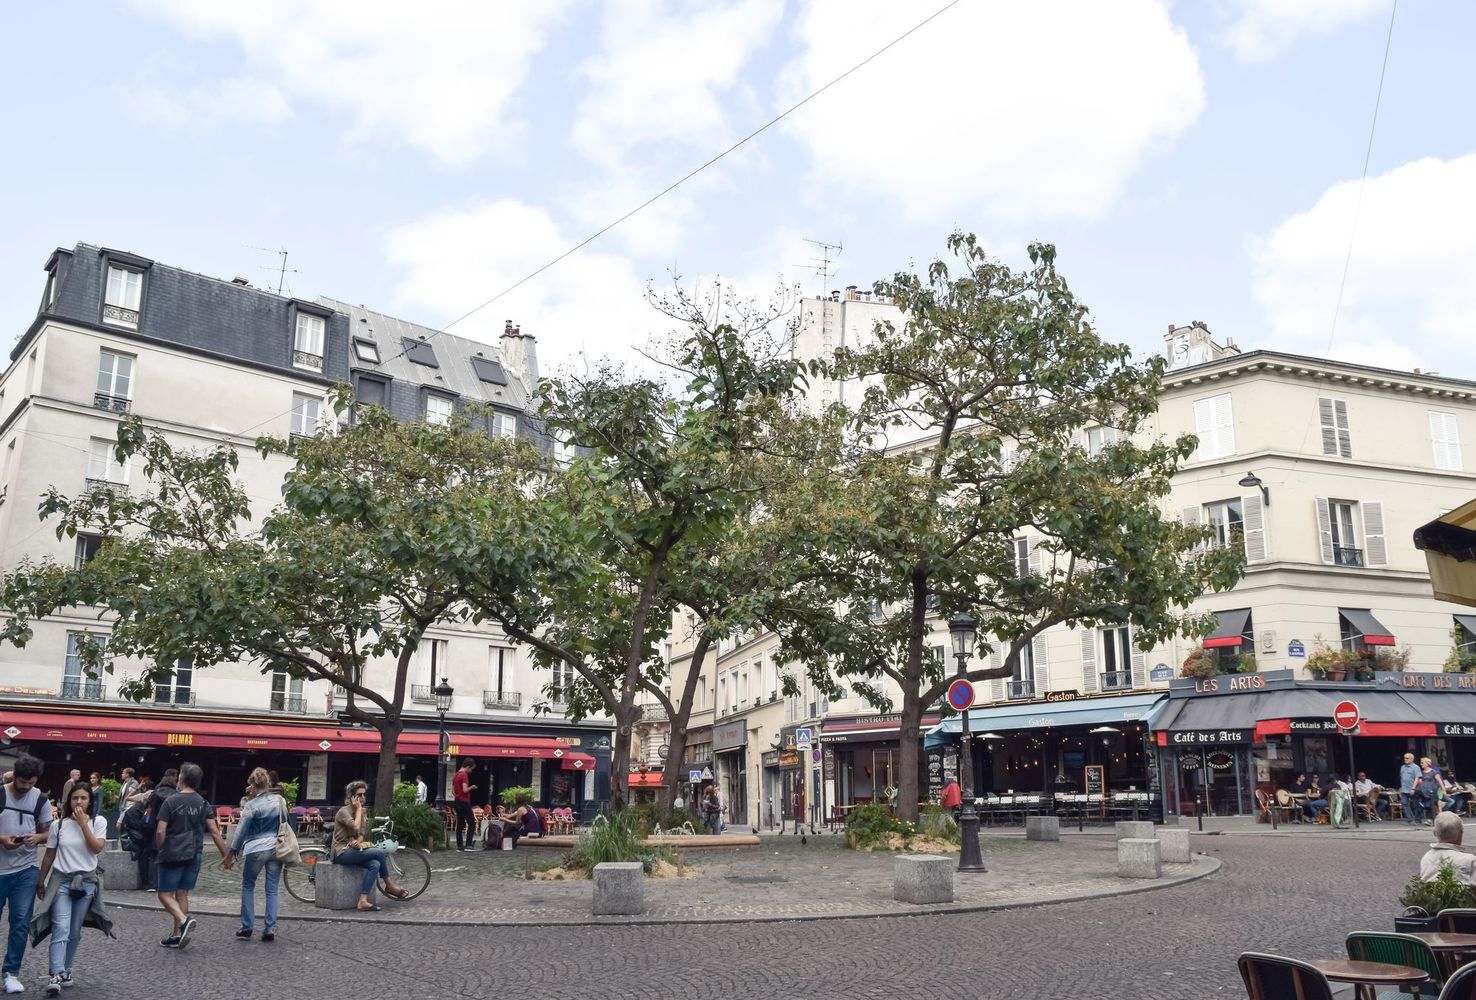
x: 992, y: 379
x: 365, y: 552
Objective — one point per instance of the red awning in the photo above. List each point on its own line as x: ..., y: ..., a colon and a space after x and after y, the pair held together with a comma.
x: 1281, y: 727
x: 484, y: 745
x: 1231, y: 630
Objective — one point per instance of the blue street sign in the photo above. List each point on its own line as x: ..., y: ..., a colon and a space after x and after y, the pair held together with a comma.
x: 961, y: 694
x: 803, y: 738
x: 694, y: 776
x: 1161, y: 672
x: 1295, y: 648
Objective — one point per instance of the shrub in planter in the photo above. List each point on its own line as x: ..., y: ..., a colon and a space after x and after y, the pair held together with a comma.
x: 938, y: 823
x: 1423, y: 900
x: 111, y: 787
x: 1200, y: 663
x: 417, y: 826
x: 872, y: 826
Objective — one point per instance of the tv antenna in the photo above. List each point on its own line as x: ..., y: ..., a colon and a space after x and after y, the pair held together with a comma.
x: 822, y: 265
x: 282, y: 269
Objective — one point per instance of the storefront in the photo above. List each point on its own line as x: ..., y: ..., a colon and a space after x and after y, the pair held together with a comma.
x: 730, y: 754
x: 864, y: 754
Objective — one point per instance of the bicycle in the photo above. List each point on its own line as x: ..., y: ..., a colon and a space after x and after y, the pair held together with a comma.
x: 407, y: 866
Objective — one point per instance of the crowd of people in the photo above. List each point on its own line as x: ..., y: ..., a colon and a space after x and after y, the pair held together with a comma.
x: 1425, y: 792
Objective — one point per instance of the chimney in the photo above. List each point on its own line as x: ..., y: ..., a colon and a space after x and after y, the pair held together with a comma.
x: 520, y: 354
x: 1172, y: 328
x: 851, y: 295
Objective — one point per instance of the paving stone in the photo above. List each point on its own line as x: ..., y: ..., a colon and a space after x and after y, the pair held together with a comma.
x: 619, y: 888
x: 1042, y: 828
x: 120, y: 871
x: 1138, y: 858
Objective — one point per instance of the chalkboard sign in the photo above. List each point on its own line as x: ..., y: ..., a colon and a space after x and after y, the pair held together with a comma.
x: 1095, y: 783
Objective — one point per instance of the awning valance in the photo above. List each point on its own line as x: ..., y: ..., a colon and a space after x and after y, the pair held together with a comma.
x: 1231, y: 632
x: 1449, y: 544
x: 1307, y: 711
x: 1081, y: 712
x: 1373, y: 631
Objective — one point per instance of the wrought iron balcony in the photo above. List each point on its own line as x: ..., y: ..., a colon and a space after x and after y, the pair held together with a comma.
x: 1117, y: 680
x: 174, y: 696
x: 302, y: 359
x: 423, y: 694
x: 1345, y: 556
x: 502, y: 699
x: 83, y: 688
x: 294, y: 704
x: 655, y: 712
x: 1019, y: 690
x: 107, y: 401
x: 104, y: 485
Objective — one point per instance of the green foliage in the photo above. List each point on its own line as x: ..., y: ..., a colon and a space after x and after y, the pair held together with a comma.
x: 417, y: 825
x: 405, y: 792
x: 648, y: 816
x: 872, y: 826
x: 510, y: 795
x: 111, y: 789
x: 1445, y: 892
x: 615, y: 840
x: 938, y: 823
x: 289, y: 791
x: 1200, y: 663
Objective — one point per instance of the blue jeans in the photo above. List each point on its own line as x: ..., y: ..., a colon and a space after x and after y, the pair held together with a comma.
x: 249, y: 871
x: 18, y: 892
x: 1406, y: 806
x: 372, y: 859
x: 1455, y: 803
x: 67, y: 915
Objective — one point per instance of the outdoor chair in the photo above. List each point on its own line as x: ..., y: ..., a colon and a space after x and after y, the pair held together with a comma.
x: 313, y: 818
x: 1263, y: 807
x: 1457, y: 921
x: 1461, y: 985
x: 1287, y: 807
x: 1271, y: 977
x: 1395, y: 949
x: 223, y: 816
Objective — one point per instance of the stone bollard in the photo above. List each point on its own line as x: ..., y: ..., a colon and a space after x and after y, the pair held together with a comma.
x: 923, y: 878
x: 336, y: 887
x: 1139, y: 858
x: 1044, y: 828
x: 1137, y: 829
x: 1175, y: 849
x: 619, y: 888
x: 119, y: 870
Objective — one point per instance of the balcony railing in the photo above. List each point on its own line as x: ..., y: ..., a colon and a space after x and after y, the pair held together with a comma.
x: 1117, y: 680
x: 302, y: 359
x: 83, y: 689
x: 295, y: 704
x: 1017, y: 690
x: 502, y: 699
x: 655, y: 712
x: 1344, y: 556
x: 104, y: 485
x: 422, y: 694
x: 174, y: 696
x: 107, y: 401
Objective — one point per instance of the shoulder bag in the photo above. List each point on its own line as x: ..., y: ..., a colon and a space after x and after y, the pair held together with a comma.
x: 287, y: 850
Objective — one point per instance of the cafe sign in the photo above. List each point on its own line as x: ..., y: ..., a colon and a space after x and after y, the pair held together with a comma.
x: 1427, y: 682
x: 1457, y: 729
x: 1062, y: 695
x: 1209, y: 737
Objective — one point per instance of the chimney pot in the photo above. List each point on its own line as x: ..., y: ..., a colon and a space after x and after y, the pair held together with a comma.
x: 507, y: 326
x: 1172, y: 328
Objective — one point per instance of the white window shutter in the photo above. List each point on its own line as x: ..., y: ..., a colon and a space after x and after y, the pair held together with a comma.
x: 996, y: 660
x: 1204, y: 427
x: 1324, y: 530
x: 1255, y: 528
x: 1088, y: 660
x: 1038, y: 651
x: 1445, y: 440
x: 1035, y: 556
x: 1375, y: 550
x: 1224, y: 425
x: 1333, y: 415
x: 1140, y: 666
x: 1345, y: 436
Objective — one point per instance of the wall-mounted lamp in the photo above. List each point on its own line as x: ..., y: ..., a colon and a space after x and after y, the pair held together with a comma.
x: 1250, y: 481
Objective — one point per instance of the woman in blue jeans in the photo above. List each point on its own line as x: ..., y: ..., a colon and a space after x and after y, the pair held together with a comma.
x: 71, y: 855
x: 350, y: 848
x: 256, y: 842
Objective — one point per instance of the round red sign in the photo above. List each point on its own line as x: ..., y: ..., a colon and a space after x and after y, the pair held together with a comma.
x: 1345, y: 714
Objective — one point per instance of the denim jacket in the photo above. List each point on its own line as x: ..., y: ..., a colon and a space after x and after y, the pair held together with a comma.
x: 261, y: 817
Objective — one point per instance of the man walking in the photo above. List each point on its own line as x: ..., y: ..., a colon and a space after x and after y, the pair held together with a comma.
x: 420, y: 791
x: 25, y: 817
x: 72, y: 779
x: 127, y: 786
x: 184, y: 819
x: 1409, y: 773
x: 148, y: 856
x: 461, y: 789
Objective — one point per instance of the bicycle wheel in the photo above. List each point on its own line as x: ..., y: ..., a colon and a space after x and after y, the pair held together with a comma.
x: 301, y: 879
x: 411, y: 869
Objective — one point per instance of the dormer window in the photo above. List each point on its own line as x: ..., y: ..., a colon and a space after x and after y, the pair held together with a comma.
x: 124, y: 297
x: 366, y: 350
x: 50, y: 298
x: 437, y: 409
x: 307, y: 341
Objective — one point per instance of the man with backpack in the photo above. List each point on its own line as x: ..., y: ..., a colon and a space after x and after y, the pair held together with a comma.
x: 183, y: 820
x: 138, y: 825
x: 25, y: 818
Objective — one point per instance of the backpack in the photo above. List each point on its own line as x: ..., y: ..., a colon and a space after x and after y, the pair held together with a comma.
x: 133, y: 831
x: 40, y: 816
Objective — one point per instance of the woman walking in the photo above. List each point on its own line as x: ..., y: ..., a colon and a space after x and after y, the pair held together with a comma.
x: 70, y: 891
x: 256, y: 842
x: 350, y: 847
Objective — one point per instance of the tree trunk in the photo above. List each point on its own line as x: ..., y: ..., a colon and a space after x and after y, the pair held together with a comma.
x: 676, y: 741
x: 389, y: 762
x: 910, y: 753
x: 625, y: 717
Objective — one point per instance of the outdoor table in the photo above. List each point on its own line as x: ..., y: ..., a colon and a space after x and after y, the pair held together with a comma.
x: 1370, y: 974
x: 1448, y: 948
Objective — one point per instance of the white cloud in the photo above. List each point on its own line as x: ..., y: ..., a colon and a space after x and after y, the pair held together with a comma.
x: 1259, y: 29
x: 1409, y: 299
x: 235, y: 99
x: 592, y: 304
x: 438, y: 78
x: 1012, y: 110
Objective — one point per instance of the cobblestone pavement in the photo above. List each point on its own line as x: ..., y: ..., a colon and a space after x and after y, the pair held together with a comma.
x: 1292, y: 896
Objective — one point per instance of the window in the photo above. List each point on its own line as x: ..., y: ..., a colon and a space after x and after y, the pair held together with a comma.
x: 1346, y: 551
x: 1445, y: 439
x: 1022, y: 680
x: 498, y: 655
x: 78, y: 682
x: 432, y: 654
x: 504, y: 425
x: 308, y: 340
x: 123, y: 298
x: 286, y: 692
x: 372, y: 392
x: 1225, y: 520
x: 1467, y: 629
x: 1117, y: 658
x: 1214, y: 423
x: 103, y: 465
x: 1335, y: 438
x: 305, y: 410
x: 114, y: 381
x: 49, y: 299
x: 366, y: 350
x: 176, y: 690
x: 437, y: 409
x: 562, y: 452
x: 419, y: 352
x: 488, y: 370
x: 1098, y: 438
x: 1229, y: 657
x: 1352, y: 532
x: 86, y: 551
x: 1021, y: 551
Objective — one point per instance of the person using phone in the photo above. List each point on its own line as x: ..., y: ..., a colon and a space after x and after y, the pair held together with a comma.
x: 70, y: 889
x: 25, y: 821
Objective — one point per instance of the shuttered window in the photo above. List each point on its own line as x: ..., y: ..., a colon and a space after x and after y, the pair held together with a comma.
x: 1445, y: 440
x: 1214, y: 423
x: 1335, y: 437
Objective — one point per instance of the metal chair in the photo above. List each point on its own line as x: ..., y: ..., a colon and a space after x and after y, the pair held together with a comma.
x: 1457, y: 921
x: 1461, y: 985
x: 1271, y: 977
x: 1395, y: 949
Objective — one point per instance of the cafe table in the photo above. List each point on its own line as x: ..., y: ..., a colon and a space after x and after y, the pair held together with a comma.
x: 1367, y: 975
x: 1449, y: 949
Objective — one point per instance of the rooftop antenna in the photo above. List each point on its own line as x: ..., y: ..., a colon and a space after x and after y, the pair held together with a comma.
x: 282, y: 269
x: 821, y: 265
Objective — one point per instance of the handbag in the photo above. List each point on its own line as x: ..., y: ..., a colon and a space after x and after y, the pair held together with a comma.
x: 287, y: 850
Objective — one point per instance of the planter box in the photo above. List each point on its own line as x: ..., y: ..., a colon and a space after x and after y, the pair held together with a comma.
x: 1415, y: 925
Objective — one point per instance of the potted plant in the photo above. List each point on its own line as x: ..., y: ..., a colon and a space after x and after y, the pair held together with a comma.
x: 1423, y: 900
x: 1325, y: 661
x: 1200, y: 663
x: 1245, y: 663
x: 1462, y: 658
x: 1394, y: 660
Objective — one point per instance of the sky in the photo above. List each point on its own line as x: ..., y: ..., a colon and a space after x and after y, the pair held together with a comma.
x: 1190, y: 160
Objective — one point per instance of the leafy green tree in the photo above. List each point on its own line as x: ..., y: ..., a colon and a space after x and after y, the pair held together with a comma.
x: 969, y: 436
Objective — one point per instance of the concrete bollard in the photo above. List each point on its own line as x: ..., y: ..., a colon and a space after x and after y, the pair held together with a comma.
x: 1139, y: 858
x: 1137, y: 829
x: 1043, y: 828
x: 119, y: 871
x: 923, y: 878
x: 619, y: 888
x: 336, y: 887
x: 1175, y: 846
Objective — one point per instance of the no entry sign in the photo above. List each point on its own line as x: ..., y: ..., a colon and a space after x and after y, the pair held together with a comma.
x: 961, y: 694
x: 1346, y: 715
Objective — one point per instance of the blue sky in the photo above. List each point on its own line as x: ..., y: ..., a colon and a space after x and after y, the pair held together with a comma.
x: 1190, y: 160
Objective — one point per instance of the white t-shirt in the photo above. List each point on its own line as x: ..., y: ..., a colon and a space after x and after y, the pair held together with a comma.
x: 72, y: 852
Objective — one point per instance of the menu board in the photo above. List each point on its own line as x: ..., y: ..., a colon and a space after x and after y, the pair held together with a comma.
x: 1095, y: 784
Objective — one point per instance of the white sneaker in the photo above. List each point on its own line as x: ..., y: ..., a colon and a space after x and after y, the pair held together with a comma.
x: 13, y: 985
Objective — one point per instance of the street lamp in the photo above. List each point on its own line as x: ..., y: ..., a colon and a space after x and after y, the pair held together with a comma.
x: 963, y: 632
x: 1251, y: 481
x: 443, y: 693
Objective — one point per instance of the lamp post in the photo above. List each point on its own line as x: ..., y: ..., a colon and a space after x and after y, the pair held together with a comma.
x: 961, y: 629
x: 443, y: 693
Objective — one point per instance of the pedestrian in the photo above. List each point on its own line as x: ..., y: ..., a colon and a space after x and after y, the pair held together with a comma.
x: 182, y: 822
x: 712, y: 810
x: 420, y: 791
x: 255, y: 840
x: 1447, y: 847
x: 951, y: 798
x: 72, y: 779
x: 25, y: 820
x: 461, y: 789
x: 350, y: 847
x: 1427, y: 793
x: 94, y: 783
x: 1409, y: 772
x: 70, y: 891
x: 147, y: 824
x: 127, y: 788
